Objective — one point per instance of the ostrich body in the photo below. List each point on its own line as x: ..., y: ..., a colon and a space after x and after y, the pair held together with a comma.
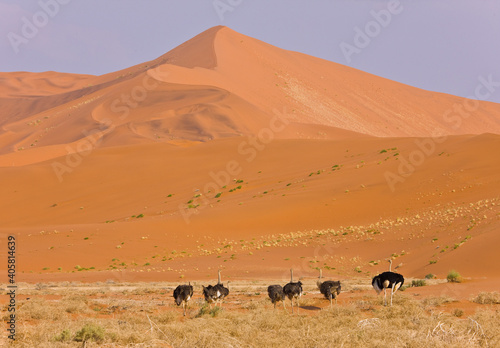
x: 388, y: 280
x: 276, y: 294
x: 182, y: 295
x: 210, y: 294
x: 329, y: 288
x: 293, y: 290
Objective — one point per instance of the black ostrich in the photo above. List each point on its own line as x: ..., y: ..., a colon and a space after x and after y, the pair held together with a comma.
x: 276, y: 294
x: 329, y: 288
x: 210, y: 294
x: 220, y: 290
x: 183, y: 294
x: 293, y: 290
x: 388, y: 280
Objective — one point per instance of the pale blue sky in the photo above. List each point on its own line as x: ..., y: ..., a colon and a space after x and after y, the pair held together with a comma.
x: 439, y: 45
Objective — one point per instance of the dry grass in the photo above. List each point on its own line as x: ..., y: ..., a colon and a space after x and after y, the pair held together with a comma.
x: 487, y: 298
x: 149, y: 319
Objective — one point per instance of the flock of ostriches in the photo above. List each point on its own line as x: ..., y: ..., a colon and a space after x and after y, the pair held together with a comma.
x: 293, y: 290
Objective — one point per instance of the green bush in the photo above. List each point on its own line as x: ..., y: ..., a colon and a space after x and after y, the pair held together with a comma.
x: 90, y: 332
x: 454, y: 277
x: 418, y: 282
x: 64, y: 336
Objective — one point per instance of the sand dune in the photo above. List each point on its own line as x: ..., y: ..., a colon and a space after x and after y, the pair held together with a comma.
x: 229, y: 152
x: 223, y: 84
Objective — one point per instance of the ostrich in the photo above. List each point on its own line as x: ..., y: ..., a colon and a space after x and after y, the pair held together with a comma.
x: 210, y: 294
x: 293, y: 290
x: 276, y: 294
x: 330, y: 289
x: 220, y: 290
x: 183, y: 294
x: 388, y: 280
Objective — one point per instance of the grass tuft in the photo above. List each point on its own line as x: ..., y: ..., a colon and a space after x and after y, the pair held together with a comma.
x: 487, y: 298
x: 418, y: 282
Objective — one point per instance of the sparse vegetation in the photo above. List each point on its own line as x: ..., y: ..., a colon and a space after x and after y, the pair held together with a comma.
x: 487, y: 298
x: 64, y: 336
x: 90, y: 332
x: 126, y: 318
x: 454, y: 277
x: 236, y: 188
x: 418, y: 282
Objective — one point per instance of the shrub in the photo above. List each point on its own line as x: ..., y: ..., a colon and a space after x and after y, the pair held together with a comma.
x: 487, y: 298
x: 75, y: 304
x: 63, y: 337
x: 454, y: 277
x: 90, y: 332
x: 39, y: 309
x: 206, y: 310
x: 215, y: 311
x: 430, y: 276
x: 418, y: 282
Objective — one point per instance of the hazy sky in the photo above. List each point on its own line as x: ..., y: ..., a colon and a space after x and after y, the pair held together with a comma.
x: 439, y: 45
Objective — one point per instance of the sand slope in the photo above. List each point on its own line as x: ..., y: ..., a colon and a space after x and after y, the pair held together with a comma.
x: 293, y: 209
